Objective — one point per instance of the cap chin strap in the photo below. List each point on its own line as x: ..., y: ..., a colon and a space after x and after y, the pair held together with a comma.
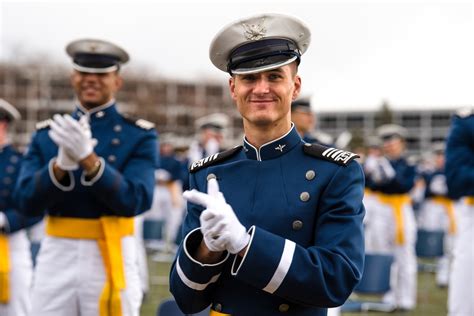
x: 95, y: 70
x: 246, y: 71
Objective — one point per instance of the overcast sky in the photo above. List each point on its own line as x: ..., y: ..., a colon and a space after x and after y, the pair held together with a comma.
x: 410, y: 53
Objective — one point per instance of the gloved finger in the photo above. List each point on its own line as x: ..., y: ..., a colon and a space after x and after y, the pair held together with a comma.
x: 57, y: 139
x: 84, y: 120
x: 59, y: 120
x: 208, y: 225
x: 212, y: 187
x: 217, y: 229
x: 197, y: 197
x: 57, y: 127
x: 217, y: 244
x: 73, y: 124
x: 94, y: 142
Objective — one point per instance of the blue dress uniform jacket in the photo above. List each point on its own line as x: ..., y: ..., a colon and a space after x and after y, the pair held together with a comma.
x: 403, y: 181
x: 460, y: 156
x: 123, y: 188
x: 10, y: 163
x: 304, y: 215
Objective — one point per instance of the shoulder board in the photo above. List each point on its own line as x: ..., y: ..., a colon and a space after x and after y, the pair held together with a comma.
x: 144, y: 124
x: 465, y: 112
x: 211, y: 160
x: 43, y: 124
x: 338, y: 156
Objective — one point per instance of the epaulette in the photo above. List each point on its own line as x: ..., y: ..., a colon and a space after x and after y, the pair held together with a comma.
x: 465, y: 112
x: 209, y: 161
x: 43, y: 124
x: 146, y: 125
x: 339, y: 156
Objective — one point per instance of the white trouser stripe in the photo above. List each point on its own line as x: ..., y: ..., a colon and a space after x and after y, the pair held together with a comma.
x: 191, y: 284
x: 283, y: 267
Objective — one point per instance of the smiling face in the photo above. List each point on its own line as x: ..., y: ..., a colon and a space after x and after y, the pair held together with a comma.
x: 264, y: 99
x: 93, y: 89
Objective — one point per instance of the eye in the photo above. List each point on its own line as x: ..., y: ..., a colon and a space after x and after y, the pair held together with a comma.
x: 248, y: 77
x: 274, y: 76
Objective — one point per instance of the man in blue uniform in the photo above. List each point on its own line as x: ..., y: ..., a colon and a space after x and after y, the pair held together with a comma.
x: 16, y: 268
x: 304, y: 119
x: 392, y: 227
x: 437, y: 212
x: 91, y: 172
x: 460, y: 181
x: 280, y: 227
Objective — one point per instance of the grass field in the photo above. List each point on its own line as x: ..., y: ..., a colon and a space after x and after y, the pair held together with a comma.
x: 431, y: 299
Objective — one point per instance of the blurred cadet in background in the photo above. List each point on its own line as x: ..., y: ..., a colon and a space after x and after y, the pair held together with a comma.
x: 16, y: 268
x: 209, y: 137
x: 437, y: 212
x: 460, y: 180
x: 168, y: 203
x: 280, y: 227
x: 390, y: 177
x: 91, y: 172
x: 305, y: 121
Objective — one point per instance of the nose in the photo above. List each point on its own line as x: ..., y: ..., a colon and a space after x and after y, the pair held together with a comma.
x: 261, y: 86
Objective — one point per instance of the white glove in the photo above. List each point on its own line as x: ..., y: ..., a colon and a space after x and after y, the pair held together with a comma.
x: 438, y: 185
x: 64, y: 161
x: 219, y: 225
x: 3, y: 219
x: 74, y: 136
x: 384, y: 171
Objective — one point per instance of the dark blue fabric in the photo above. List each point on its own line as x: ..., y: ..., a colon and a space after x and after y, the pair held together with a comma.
x: 460, y: 157
x: 10, y: 164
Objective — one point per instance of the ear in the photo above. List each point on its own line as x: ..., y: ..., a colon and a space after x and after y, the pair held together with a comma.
x: 118, y: 82
x: 297, y: 87
x: 232, y: 88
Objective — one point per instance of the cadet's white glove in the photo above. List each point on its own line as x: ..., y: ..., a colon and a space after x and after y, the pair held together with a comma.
x: 220, y: 226
x: 438, y: 185
x: 74, y: 136
x: 64, y: 161
x: 3, y: 219
x: 384, y: 171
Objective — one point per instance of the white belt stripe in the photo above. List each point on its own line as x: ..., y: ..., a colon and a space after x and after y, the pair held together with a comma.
x: 191, y: 284
x: 283, y: 267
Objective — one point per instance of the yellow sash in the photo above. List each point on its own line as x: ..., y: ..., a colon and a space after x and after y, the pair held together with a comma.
x: 214, y: 313
x: 4, y: 269
x: 470, y: 200
x: 108, y: 231
x: 449, y: 208
x: 397, y: 201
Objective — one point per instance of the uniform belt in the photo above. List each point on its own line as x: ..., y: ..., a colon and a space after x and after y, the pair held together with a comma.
x: 108, y: 231
x: 4, y: 269
x: 216, y: 313
x: 470, y: 200
x: 449, y: 208
x: 397, y: 201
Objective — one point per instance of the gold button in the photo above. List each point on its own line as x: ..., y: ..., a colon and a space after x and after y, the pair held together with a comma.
x: 283, y: 308
x: 297, y: 225
x: 218, y: 307
x: 304, y: 196
x: 211, y: 176
x: 117, y: 128
x: 115, y: 141
x: 111, y: 158
x: 310, y: 174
